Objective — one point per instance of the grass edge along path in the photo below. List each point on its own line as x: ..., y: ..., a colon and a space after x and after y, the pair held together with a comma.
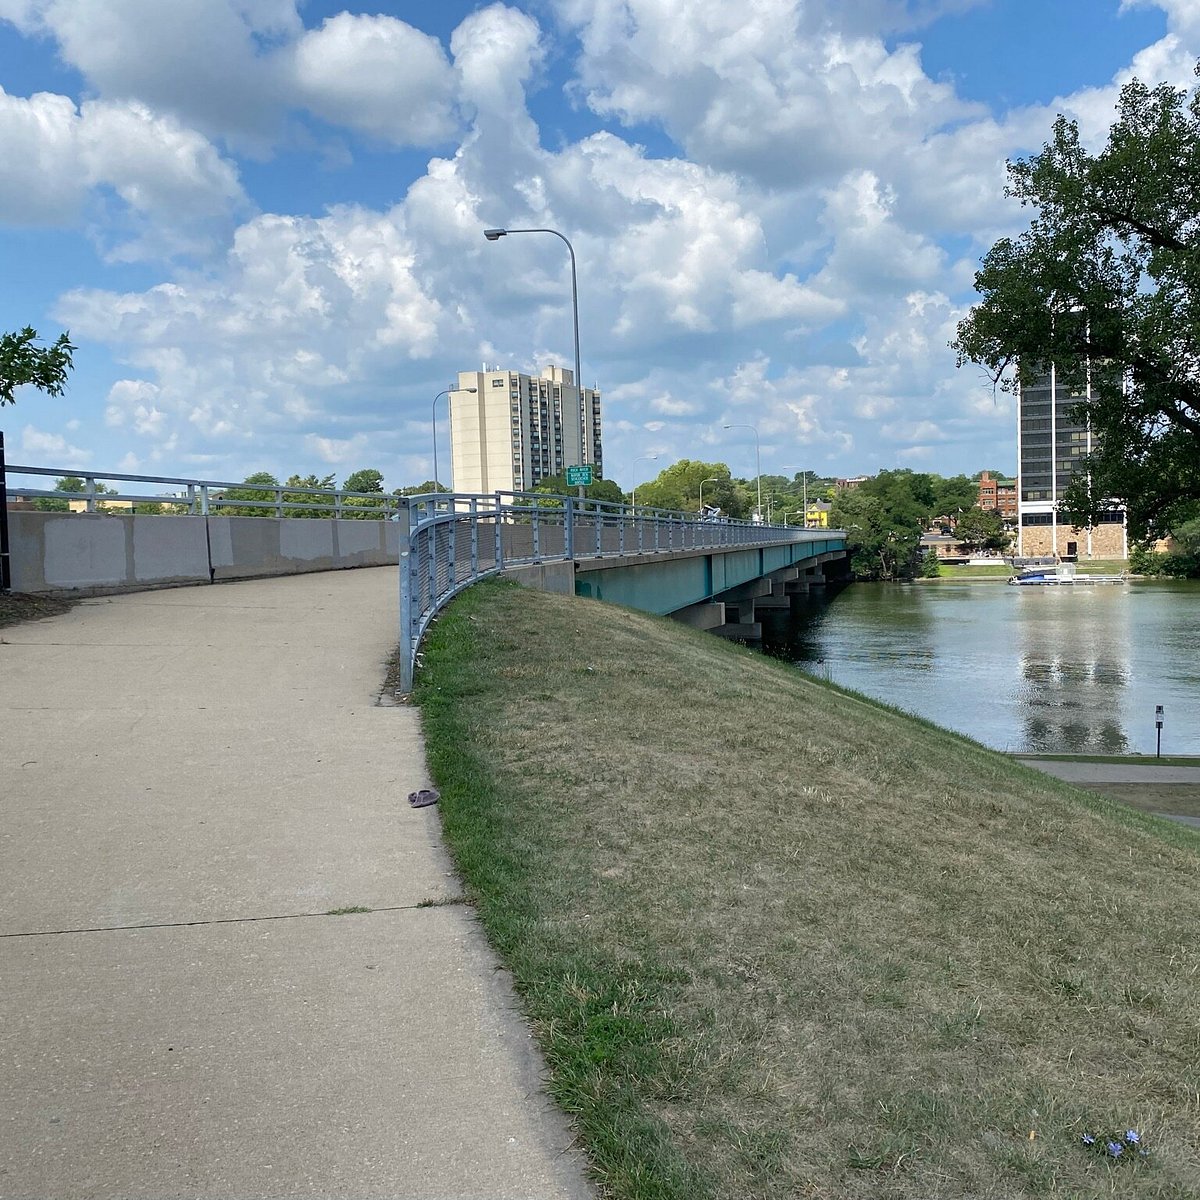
x: 836, y: 953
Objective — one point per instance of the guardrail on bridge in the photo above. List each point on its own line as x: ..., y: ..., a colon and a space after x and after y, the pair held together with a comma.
x: 449, y: 540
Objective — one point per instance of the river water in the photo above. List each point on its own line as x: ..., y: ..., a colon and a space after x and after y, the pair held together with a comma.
x: 1050, y: 669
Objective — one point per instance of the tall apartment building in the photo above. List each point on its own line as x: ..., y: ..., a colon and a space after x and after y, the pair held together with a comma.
x: 1050, y: 445
x: 515, y: 430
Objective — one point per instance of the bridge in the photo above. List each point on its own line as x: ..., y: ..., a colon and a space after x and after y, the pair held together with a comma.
x: 713, y: 574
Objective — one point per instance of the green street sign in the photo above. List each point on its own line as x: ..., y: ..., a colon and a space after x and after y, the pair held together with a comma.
x: 579, y: 476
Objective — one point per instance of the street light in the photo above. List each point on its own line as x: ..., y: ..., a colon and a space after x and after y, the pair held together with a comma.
x: 757, y: 462
x: 711, y: 479
x: 640, y: 458
x: 437, y: 487
x: 494, y: 235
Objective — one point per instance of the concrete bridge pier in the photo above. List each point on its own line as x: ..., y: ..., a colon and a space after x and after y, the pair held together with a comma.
x: 708, y: 615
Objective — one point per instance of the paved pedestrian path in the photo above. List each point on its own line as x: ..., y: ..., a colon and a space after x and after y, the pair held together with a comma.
x: 1084, y: 772
x: 190, y: 781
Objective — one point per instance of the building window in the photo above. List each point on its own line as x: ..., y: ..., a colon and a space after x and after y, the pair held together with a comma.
x: 499, y: 382
x: 1037, y: 519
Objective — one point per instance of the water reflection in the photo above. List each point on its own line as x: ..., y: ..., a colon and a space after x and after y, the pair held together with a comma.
x: 1038, y: 669
x: 1074, y: 661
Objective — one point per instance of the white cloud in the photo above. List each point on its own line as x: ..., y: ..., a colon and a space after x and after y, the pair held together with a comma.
x: 301, y: 314
x: 177, y: 191
x: 208, y: 61
x: 775, y: 90
x: 377, y: 75
x: 41, y: 448
x: 340, y: 451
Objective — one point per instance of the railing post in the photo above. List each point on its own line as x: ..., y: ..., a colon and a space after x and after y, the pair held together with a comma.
x: 337, y: 503
x: 279, y: 502
x: 474, y: 537
x: 499, y: 536
x: 407, y: 649
x: 598, y: 521
x: 569, y: 530
x: 622, y: 520
x: 204, y: 499
x: 537, y: 545
x: 5, y: 566
x: 452, y: 549
x: 90, y: 484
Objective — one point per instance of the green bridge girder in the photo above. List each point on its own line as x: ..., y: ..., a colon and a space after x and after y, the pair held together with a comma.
x: 667, y: 583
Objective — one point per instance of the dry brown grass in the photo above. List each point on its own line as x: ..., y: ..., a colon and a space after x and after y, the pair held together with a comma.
x: 847, y: 954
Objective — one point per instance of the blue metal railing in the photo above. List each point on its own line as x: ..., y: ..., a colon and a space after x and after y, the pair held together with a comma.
x: 449, y: 540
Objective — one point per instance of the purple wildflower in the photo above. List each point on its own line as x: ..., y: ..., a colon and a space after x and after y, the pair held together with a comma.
x: 1088, y: 1140
x: 1115, y: 1149
x: 1132, y: 1137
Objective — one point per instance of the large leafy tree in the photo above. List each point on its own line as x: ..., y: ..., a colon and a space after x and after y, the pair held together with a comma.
x: 677, y: 487
x: 883, y: 519
x: 23, y: 361
x: 982, y: 529
x: 1105, y: 284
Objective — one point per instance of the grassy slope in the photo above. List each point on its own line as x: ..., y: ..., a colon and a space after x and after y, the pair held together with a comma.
x: 776, y: 941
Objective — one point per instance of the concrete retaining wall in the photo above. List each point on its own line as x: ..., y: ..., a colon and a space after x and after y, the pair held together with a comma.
x: 98, y: 553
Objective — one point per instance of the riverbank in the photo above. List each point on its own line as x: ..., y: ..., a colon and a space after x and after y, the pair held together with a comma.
x: 1002, y: 571
x: 777, y: 940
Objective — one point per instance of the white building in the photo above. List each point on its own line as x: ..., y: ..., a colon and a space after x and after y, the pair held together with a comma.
x: 515, y: 430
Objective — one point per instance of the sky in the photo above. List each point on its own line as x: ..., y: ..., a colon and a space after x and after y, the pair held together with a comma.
x: 261, y: 220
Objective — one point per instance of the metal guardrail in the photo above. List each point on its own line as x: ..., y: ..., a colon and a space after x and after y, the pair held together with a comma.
x: 449, y: 540
x: 204, y: 497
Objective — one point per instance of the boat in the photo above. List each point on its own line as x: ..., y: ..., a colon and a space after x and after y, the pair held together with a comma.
x: 1057, y: 574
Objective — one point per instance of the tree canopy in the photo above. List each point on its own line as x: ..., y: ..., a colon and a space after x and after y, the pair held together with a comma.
x: 677, y: 487
x: 883, y: 519
x: 23, y: 361
x: 1105, y: 285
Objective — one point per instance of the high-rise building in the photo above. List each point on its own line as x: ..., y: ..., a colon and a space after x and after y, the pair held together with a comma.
x: 515, y: 430
x: 1050, y: 447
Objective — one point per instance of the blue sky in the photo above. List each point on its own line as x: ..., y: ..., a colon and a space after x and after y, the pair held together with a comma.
x: 262, y: 220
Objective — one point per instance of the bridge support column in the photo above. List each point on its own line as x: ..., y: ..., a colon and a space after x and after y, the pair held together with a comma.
x: 702, y: 616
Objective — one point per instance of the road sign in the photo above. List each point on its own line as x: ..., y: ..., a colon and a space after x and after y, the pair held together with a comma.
x: 579, y: 476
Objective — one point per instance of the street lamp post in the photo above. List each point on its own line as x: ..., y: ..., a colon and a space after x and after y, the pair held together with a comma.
x: 711, y: 479
x: 437, y: 487
x: 640, y: 458
x: 494, y: 235
x: 757, y: 462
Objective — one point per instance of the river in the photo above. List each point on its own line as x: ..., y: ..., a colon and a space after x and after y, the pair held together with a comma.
x: 1036, y: 669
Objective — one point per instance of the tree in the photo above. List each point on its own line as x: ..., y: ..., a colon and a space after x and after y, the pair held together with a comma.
x: 23, y: 361
x: 366, y: 480
x: 313, y: 504
x: 69, y: 483
x: 883, y: 519
x: 953, y: 494
x: 1105, y: 285
x: 264, y: 479
x: 982, y: 529
x: 677, y: 487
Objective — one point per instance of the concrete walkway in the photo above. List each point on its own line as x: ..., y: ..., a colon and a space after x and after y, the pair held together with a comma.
x: 1084, y: 773
x: 189, y: 781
